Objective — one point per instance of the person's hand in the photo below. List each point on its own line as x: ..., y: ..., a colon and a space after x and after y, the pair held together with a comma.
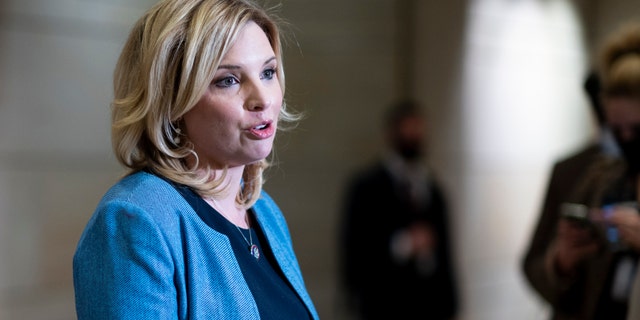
x: 415, y: 241
x: 574, y: 244
x: 423, y: 239
x: 627, y: 220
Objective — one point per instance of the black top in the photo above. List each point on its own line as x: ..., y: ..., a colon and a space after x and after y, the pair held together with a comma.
x: 275, y: 297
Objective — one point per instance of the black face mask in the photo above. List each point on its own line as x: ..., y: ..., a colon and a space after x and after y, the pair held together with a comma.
x: 408, y: 149
x: 631, y: 150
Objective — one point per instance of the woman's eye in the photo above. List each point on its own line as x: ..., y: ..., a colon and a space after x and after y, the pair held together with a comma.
x: 226, y: 82
x: 268, y: 74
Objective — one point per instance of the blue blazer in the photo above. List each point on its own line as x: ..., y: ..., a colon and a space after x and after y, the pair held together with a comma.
x: 145, y: 254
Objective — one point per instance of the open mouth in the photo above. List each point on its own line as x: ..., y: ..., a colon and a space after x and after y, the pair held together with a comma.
x: 261, y: 127
x: 263, y: 130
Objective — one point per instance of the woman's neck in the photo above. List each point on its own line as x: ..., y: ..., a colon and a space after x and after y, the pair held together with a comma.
x: 225, y: 203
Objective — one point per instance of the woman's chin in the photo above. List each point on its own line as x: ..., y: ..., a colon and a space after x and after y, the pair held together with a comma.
x: 259, y: 156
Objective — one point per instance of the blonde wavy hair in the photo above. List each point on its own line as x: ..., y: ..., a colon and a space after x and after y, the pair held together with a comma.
x: 619, y: 63
x: 165, y: 66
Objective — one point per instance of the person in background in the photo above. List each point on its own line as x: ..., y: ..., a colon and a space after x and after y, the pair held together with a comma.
x: 189, y: 233
x: 566, y: 175
x: 395, y: 242
x: 579, y: 260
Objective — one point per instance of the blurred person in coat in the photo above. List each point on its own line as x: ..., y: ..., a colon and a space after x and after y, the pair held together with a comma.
x: 582, y: 262
x: 395, y: 241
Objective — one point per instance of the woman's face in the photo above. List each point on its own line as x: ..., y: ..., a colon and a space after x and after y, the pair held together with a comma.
x: 623, y: 117
x: 235, y: 121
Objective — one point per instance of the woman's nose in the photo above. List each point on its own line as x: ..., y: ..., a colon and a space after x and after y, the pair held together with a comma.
x: 259, y: 97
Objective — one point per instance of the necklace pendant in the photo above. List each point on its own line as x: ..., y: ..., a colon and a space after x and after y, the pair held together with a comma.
x: 255, y: 252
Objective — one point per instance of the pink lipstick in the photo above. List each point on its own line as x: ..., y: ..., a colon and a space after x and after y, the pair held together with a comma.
x: 263, y: 130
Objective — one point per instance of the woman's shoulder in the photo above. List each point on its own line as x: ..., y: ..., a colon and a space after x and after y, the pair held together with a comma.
x: 140, y: 186
x: 266, y: 204
x: 144, y: 192
x: 268, y: 211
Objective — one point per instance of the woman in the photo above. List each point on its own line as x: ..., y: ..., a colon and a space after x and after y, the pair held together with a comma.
x: 188, y: 233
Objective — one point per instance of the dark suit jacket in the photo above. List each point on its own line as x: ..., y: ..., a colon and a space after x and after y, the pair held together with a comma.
x: 384, y: 288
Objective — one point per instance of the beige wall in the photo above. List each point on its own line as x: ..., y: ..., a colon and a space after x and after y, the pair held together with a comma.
x: 56, y: 58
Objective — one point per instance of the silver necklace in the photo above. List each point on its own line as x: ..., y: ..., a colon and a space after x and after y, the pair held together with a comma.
x: 253, y: 249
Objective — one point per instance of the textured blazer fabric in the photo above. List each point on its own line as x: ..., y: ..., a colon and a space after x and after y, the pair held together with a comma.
x: 145, y: 254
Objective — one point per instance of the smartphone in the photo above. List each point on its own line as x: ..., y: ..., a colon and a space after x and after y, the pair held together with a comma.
x: 576, y: 212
